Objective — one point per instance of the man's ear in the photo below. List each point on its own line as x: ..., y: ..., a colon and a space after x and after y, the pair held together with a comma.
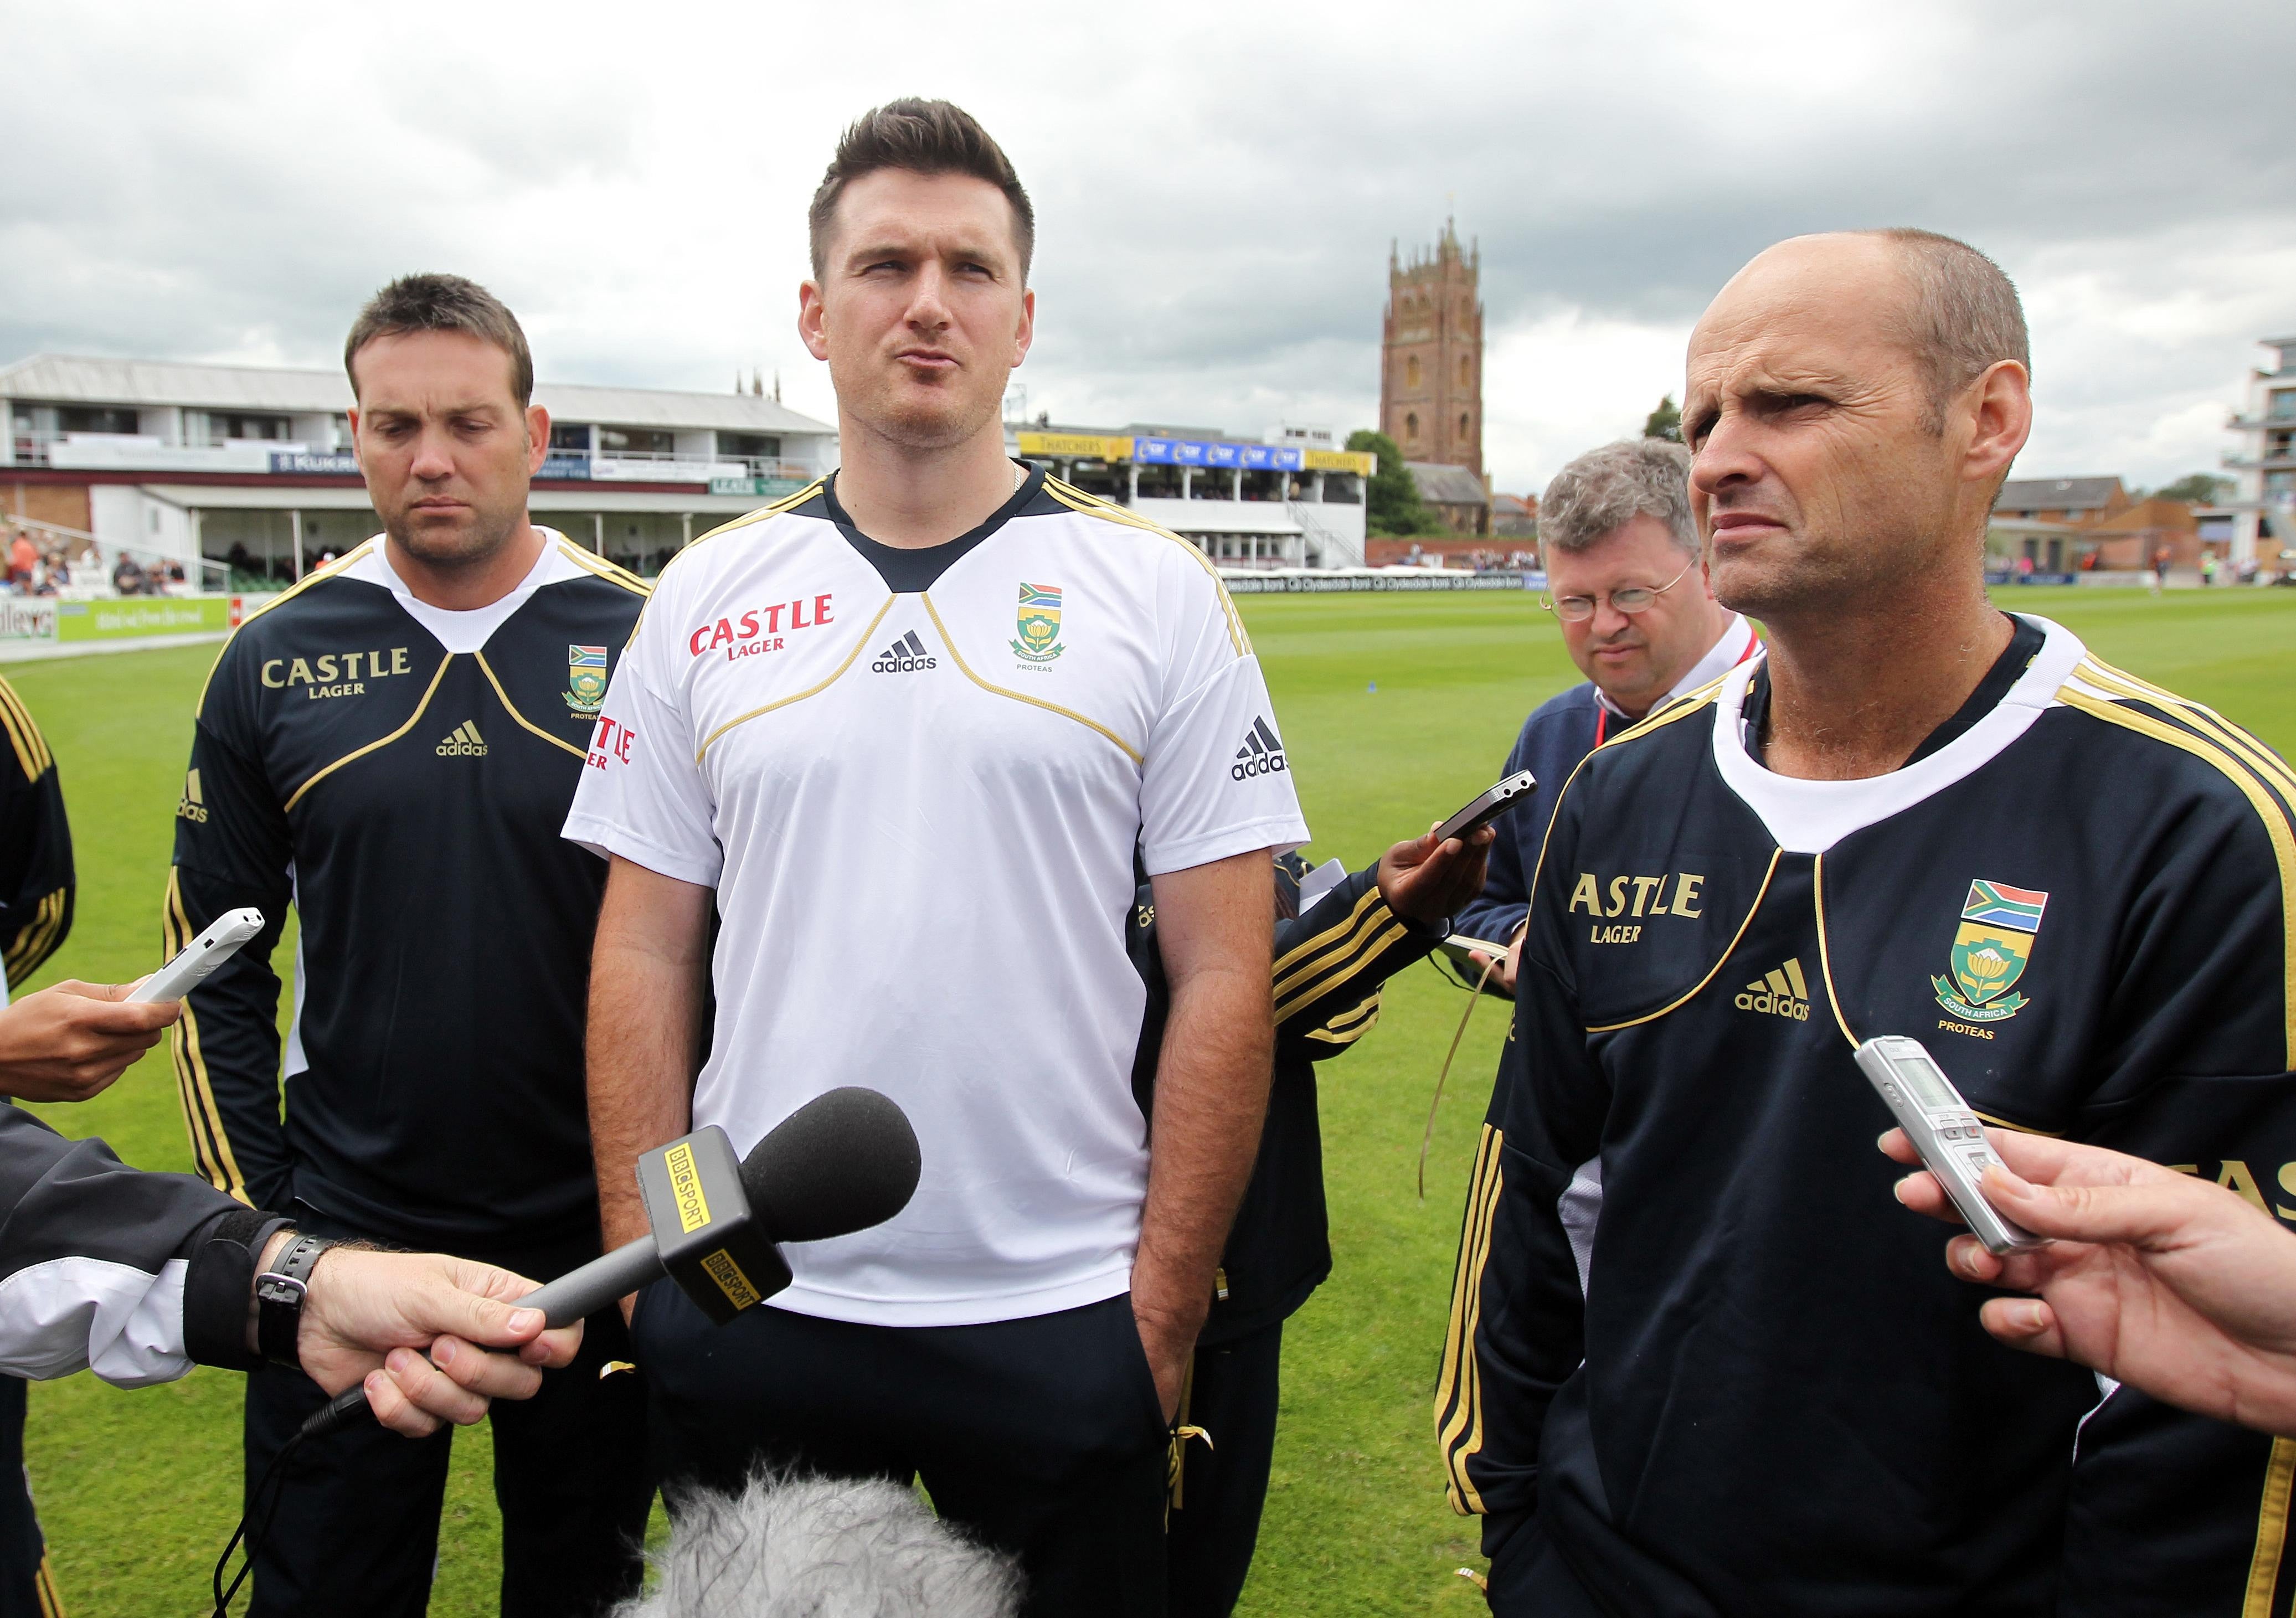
x: 2000, y: 404
x: 811, y: 316
x: 1026, y: 334
x: 537, y: 438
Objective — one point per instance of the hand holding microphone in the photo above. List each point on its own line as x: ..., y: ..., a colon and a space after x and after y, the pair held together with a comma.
x: 843, y: 1161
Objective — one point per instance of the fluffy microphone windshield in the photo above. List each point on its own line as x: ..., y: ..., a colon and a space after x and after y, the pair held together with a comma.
x: 843, y: 1161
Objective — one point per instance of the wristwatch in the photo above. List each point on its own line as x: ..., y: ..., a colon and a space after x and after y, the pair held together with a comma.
x: 279, y: 1293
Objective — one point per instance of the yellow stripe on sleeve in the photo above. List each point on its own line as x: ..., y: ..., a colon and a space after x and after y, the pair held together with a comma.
x: 2270, y: 806
x: 202, y: 1118
x: 1458, y: 1392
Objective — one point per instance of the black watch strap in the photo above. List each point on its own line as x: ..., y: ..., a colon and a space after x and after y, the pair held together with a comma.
x: 279, y: 1299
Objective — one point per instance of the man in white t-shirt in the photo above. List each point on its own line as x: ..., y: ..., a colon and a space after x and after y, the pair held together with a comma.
x: 907, y: 732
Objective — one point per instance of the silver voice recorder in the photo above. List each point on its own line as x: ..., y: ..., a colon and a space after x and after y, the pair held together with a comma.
x: 1946, y: 1134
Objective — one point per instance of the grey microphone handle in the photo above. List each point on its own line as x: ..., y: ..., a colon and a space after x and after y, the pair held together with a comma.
x: 583, y: 1292
x: 572, y: 1296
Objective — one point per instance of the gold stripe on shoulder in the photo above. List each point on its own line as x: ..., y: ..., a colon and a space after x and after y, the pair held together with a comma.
x: 2197, y: 715
x: 331, y: 570
x: 778, y: 508
x: 788, y: 503
x: 1681, y: 707
x: 13, y: 703
x: 2263, y: 796
x: 24, y: 738
x: 613, y: 573
x: 1091, y: 505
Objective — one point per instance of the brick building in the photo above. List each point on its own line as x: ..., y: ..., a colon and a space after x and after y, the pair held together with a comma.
x: 2074, y: 500
x: 2133, y: 537
x: 1430, y: 377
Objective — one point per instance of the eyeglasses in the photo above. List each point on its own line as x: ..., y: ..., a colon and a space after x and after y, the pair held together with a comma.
x: 1634, y: 598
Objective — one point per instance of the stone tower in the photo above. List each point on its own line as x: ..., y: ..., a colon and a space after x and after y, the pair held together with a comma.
x: 1430, y: 374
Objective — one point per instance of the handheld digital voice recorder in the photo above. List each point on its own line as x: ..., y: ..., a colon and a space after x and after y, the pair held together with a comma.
x: 1946, y: 1134
x: 1488, y: 806
x: 199, y: 957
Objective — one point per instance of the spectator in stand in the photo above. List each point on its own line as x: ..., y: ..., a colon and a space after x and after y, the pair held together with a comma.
x: 128, y: 576
x: 20, y: 557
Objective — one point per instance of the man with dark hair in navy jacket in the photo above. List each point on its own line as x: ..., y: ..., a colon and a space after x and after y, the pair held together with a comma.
x: 1623, y: 579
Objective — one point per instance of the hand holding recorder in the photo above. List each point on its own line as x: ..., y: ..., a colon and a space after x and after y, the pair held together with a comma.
x: 1427, y: 879
x: 2170, y: 1283
x: 71, y: 1039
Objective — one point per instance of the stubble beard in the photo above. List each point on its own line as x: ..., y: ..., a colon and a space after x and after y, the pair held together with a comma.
x: 452, y: 551
x: 939, y: 420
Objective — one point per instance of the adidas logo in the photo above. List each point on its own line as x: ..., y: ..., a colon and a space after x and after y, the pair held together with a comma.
x: 1782, y: 992
x: 462, y: 742
x: 191, y: 807
x: 1260, y: 755
x: 904, y: 657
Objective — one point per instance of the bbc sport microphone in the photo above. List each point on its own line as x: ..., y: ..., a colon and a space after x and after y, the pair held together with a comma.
x: 843, y: 1161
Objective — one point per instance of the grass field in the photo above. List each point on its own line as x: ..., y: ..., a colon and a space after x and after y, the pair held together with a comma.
x: 138, y: 1491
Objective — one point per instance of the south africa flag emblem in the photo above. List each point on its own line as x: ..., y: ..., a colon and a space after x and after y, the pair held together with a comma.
x: 1039, y: 624
x: 1989, y: 952
x: 585, y: 679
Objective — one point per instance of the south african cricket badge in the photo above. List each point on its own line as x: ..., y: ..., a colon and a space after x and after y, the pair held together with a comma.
x: 586, y: 679
x: 1039, y: 624
x: 1989, y: 952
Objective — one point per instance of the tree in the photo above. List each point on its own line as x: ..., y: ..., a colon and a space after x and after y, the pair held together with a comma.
x: 2206, y: 488
x: 1665, y: 421
x: 1391, y: 500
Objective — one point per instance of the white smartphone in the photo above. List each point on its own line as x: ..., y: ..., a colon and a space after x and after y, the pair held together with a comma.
x: 1488, y: 806
x: 1946, y: 1134
x: 200, y: 957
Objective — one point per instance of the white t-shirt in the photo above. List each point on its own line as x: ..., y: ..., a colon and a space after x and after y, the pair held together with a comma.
x: 916, y: 780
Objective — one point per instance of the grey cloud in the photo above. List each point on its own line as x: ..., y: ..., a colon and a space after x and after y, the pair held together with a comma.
x: 1216, y: 221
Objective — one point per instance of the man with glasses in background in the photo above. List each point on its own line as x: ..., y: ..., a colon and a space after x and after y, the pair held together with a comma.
x: 1621, y: 555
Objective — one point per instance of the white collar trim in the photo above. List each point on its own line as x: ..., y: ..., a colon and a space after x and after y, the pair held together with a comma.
x: 1811, y: 817
x: 465, y: 632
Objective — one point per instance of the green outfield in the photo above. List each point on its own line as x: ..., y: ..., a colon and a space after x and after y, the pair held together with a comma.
x: 1394, y: 709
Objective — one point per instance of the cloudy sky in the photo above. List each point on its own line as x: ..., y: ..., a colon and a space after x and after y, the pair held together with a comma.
x: 1217, y: 187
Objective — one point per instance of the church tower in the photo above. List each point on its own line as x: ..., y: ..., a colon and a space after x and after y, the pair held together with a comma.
x: 1431, y: 376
